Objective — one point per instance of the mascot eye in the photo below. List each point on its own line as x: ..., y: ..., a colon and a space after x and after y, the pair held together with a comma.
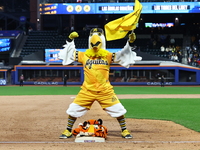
x: 99, y: 34
x: 91, y: 34
x: 96, y: 126
x: 87, y: 126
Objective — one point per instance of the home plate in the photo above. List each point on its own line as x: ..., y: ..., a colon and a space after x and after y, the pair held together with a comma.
x: 89, y: 139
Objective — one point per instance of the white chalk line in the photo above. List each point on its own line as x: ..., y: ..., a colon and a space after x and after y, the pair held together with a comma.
x: 60, y: 142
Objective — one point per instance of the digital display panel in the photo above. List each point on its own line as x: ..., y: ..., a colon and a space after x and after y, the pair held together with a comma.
x: 5, y: 45
x: 155, y: 25
x: 119, y: 8
x: 9, y: 33
x: 51, y: 55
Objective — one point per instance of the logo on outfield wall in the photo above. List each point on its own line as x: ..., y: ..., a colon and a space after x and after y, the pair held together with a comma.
x: 2, y: 82
x: 45, y: 83
x: 158, y: 83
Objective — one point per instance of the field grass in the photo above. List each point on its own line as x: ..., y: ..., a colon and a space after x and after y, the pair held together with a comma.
x: 182, y: 111
x: 72, y: 90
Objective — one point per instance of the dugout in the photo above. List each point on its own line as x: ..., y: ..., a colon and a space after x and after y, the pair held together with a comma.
x: 138, y: 74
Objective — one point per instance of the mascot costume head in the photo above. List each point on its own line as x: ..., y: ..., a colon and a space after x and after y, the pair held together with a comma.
x: 96, y: 44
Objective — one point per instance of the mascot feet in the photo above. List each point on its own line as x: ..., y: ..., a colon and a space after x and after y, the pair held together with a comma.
x: 126, y: 134
x: 65, y: 134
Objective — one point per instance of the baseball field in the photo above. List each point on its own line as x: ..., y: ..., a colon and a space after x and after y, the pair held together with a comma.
x: 159, y: 118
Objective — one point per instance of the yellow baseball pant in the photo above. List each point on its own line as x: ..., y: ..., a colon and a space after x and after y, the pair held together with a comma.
x: 107, y: 99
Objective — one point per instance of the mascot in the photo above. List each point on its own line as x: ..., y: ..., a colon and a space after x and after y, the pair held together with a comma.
x: 96, y: 62
x: 92, y: 128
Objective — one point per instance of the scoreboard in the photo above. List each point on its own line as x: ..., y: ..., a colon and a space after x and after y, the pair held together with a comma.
x: 119, y: 8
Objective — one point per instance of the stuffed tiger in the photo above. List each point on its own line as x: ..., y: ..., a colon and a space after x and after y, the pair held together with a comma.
x: 92, y: 128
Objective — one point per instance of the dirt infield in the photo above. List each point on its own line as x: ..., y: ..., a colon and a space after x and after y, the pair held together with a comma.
x: 35, y: 123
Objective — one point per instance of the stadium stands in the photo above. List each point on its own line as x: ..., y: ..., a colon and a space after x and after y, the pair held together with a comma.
x: 15, y: 6
x: 41, y: 40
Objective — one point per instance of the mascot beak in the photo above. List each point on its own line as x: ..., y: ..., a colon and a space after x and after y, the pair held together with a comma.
x: 95, y: 42
x: 91, y: 129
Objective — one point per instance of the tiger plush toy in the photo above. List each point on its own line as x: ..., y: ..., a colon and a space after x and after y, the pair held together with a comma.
x: 91, y: 128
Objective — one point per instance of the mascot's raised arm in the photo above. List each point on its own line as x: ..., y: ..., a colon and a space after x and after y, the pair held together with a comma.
x: 97, y: 48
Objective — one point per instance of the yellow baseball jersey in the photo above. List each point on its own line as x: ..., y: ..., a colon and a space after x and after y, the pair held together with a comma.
x: 96, y: 71
x: 96, y: 85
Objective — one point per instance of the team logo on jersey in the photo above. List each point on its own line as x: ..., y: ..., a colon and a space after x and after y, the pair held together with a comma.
x: 90, y: 62
x: 114, y: 99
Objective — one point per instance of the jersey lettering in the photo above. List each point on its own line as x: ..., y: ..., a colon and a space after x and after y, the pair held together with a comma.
x: 90, y: 62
